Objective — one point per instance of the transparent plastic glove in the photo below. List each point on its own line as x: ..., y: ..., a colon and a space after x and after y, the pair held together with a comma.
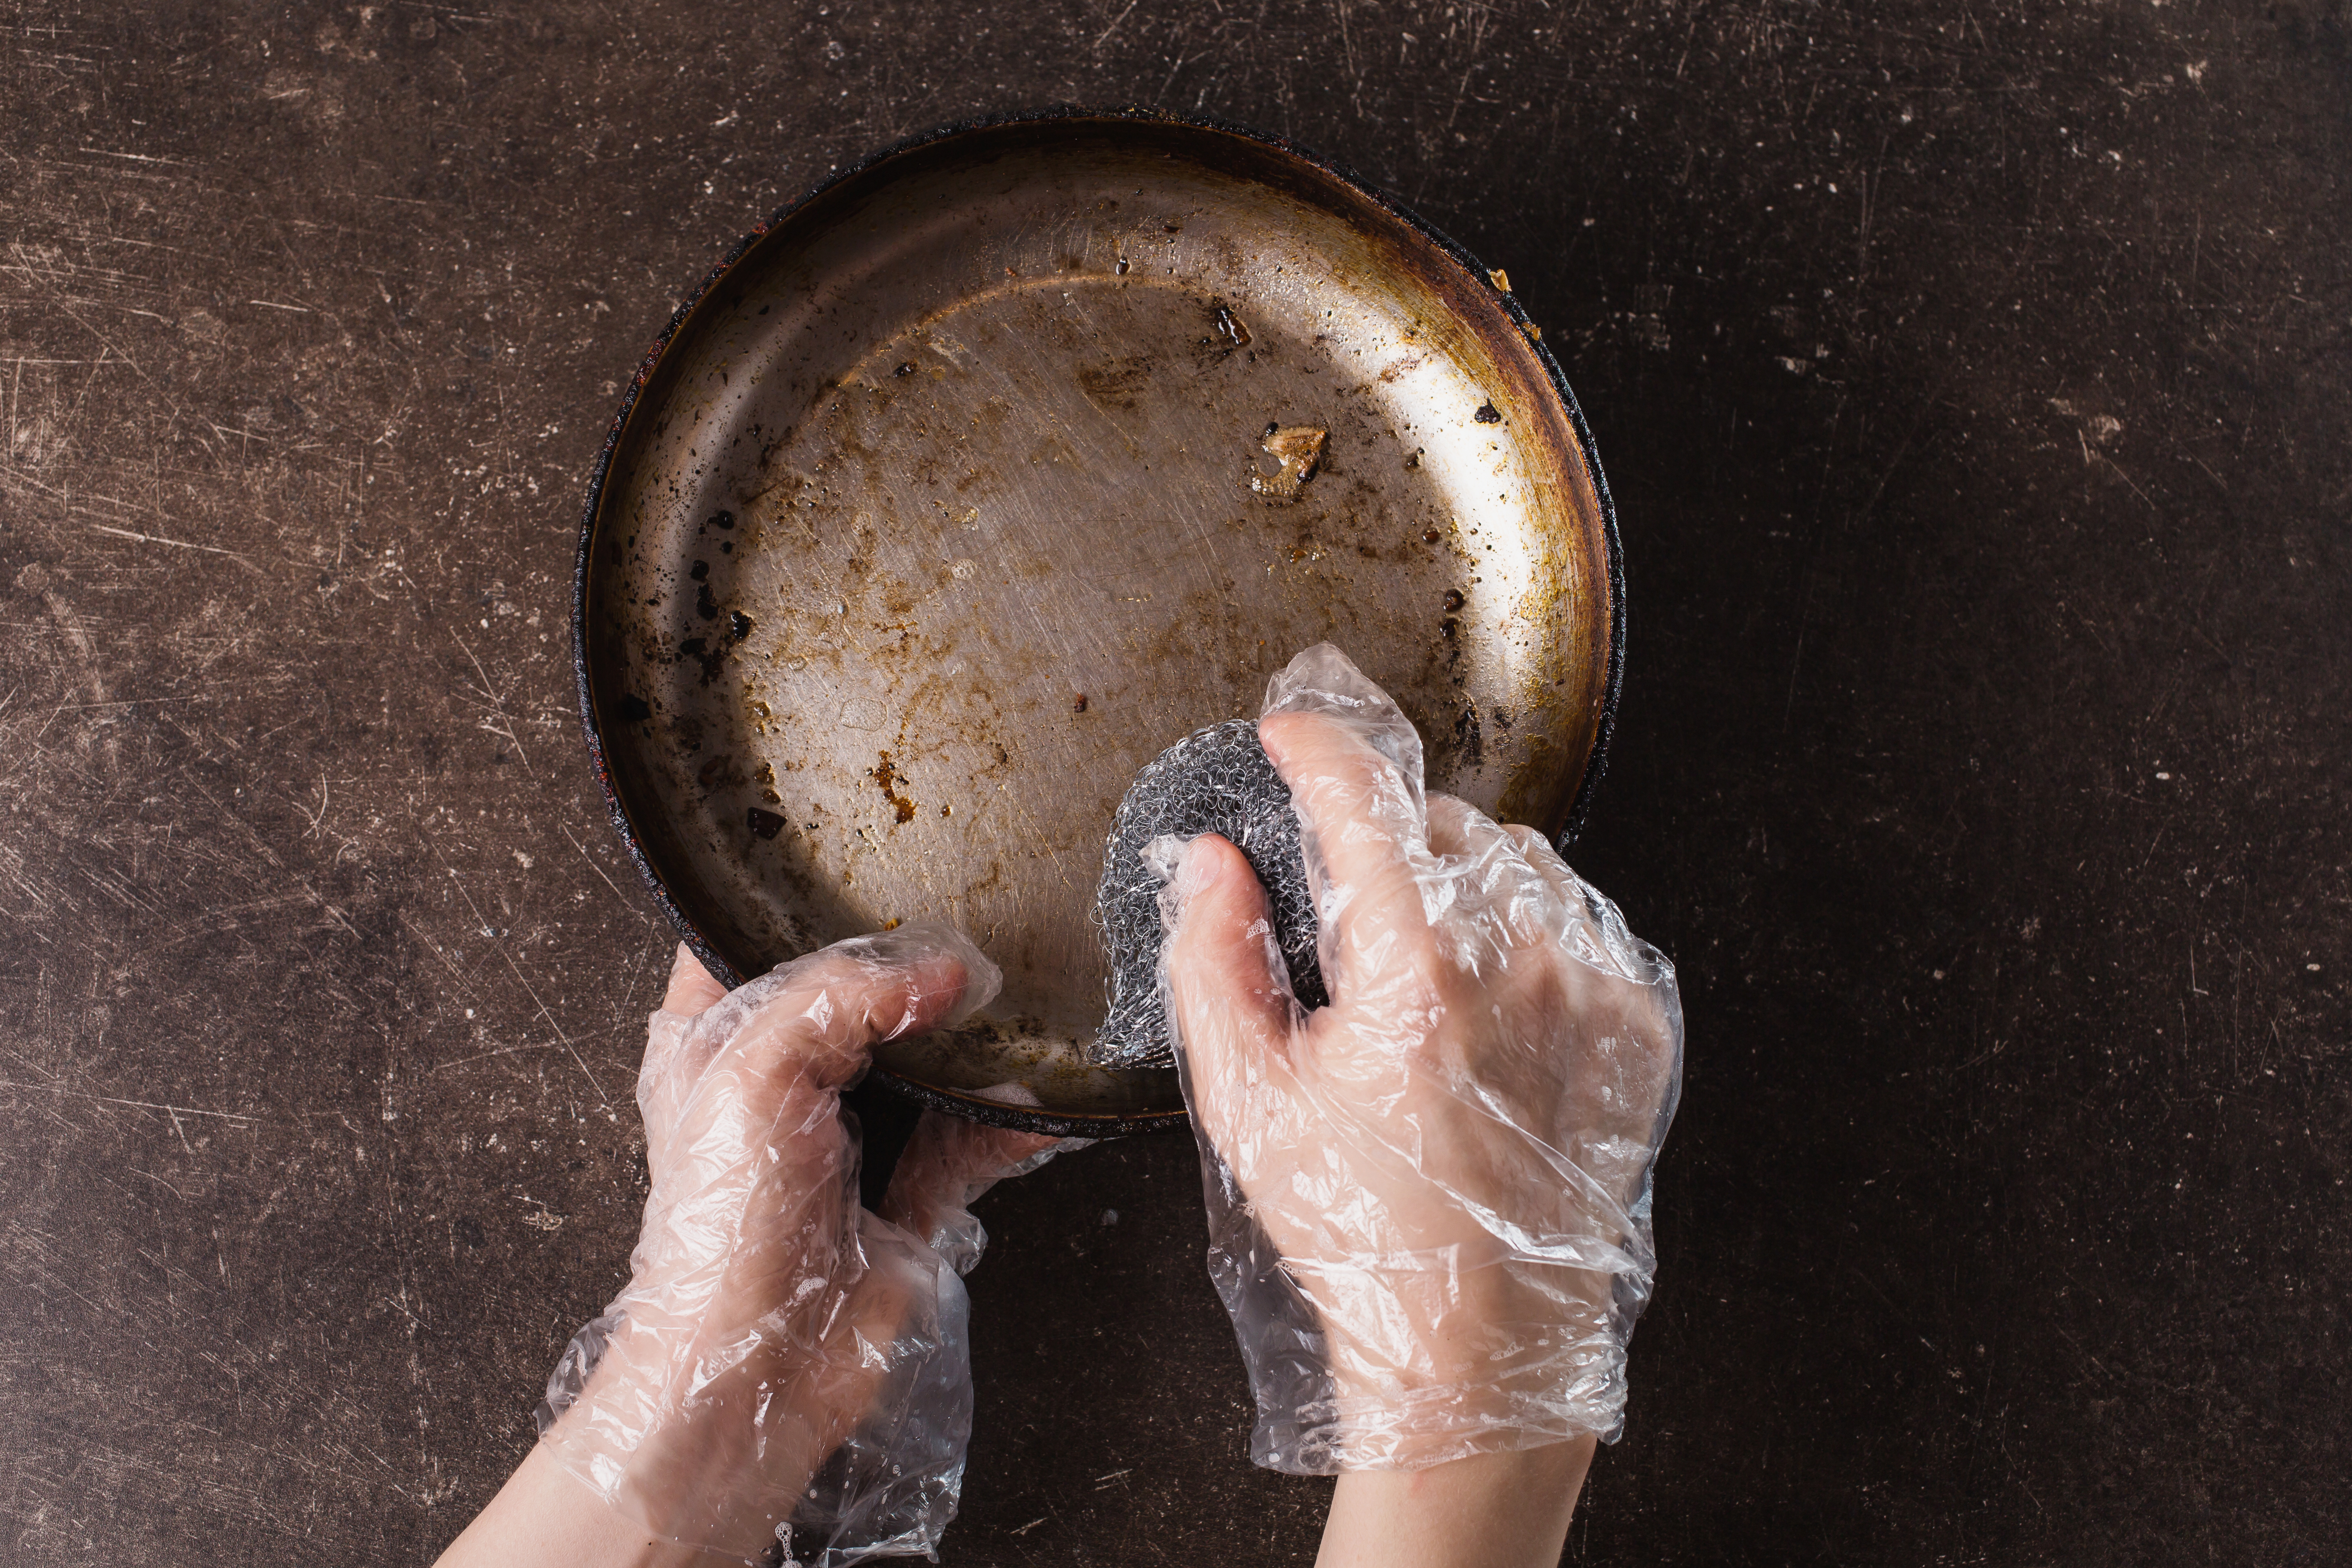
x: 946, y: 1167
x: 781, y: 1356
x: 1429, y: 1202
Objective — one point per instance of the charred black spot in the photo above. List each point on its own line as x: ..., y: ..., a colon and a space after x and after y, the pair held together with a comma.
x: 722, y: 519
x: 699, y: 650
x: 635, y: 710
x: 1487, y: 415
x: 740, y: 624
x: 1467, y: 739
x: 704, y: 604
x: 762, y: 824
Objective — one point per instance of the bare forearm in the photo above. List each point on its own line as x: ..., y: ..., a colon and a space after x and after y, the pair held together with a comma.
x: 1494, y: 1511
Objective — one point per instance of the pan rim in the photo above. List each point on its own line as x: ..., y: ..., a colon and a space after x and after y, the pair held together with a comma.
x: 990, y: 1112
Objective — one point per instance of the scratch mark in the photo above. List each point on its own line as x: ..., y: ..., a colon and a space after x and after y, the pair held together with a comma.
x: 320, y: 816
x: 2091, y: 456
x: 605, y: 1102
x: 486, y: 1055
x: 139, y: 157
x: 163, y: 1183
x: 127, y: 702
x: 497, y: 700
x: 1115, y: 21
x: 159, y: 539
x: 595, y: 867
x: 175, y: 1112
x: 443, y: 957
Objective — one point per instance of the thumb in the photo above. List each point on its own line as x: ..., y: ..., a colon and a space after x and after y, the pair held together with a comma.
x: 1223, y: 984
x: 660, y: 1086
x: 691, y: 987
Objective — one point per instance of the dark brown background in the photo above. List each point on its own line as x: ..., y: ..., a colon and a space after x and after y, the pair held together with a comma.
x: 1973, y: 378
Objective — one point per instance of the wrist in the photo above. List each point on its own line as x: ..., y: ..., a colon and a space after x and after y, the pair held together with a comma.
x: 705, y: 1427
x: 1490, y: 1511
x: 544, y: 1516
x: 1427, y: 1367
x: 704, y: 1437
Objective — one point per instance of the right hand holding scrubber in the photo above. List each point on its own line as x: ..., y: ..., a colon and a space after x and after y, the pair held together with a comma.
x: 1429, y: 1201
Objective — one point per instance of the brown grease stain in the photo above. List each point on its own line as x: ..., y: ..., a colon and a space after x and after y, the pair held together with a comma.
x: 886, y: 774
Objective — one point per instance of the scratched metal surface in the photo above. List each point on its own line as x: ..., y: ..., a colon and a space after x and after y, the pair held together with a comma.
x: 950, y: 507
x: 1970, y: 381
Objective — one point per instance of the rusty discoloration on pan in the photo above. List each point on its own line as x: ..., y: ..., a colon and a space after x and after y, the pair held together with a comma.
x: 1002, y: 461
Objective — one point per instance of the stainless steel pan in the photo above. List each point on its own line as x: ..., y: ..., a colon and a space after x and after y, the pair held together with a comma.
x: 970, y: 482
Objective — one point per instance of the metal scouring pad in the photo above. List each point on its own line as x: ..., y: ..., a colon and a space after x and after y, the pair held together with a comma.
x: 1217, y: 780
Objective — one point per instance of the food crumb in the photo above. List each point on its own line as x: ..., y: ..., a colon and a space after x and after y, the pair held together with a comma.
x: 1299, y: 450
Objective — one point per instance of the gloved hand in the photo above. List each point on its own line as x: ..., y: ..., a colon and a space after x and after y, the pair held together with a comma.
x: 1429, y: 1202
x: 781, y: 1356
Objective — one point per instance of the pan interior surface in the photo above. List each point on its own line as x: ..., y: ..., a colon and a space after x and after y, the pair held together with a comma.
x: 992, y: 470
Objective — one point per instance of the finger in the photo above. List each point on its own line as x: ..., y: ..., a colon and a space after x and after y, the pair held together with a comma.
x: 691, y: 988
x: 948, y: 1165
x: 660, y: 1083
x: 950, y: 1162
x: 1457, y: 827
x: 1365, y: 841
x: 1492, y: 877
x: 820, y: 1017
x: 1622, y: 992
x: 1227, y: 992
x: 1367, y: 821
x: 1574, y: 913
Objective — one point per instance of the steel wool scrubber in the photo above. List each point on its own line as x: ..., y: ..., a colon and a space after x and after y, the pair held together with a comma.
x: 1217, y: 780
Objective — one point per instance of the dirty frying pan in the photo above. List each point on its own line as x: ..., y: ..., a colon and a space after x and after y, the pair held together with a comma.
x: 1002, y: 461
